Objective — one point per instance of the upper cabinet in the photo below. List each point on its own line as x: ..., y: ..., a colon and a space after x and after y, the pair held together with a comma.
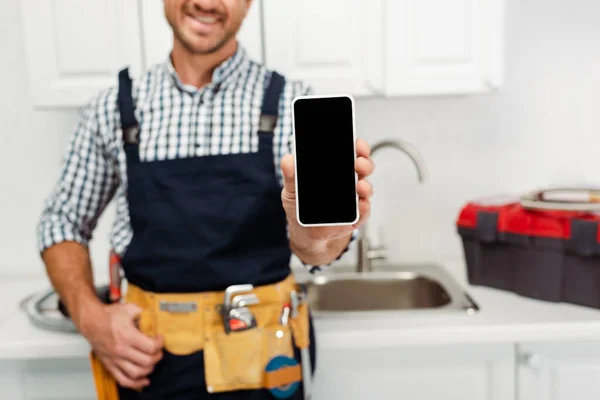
x: 333, y: 45
x: 75, y: 48
x: 365, y: 48
x: 387, y: 47
x: 443, y: 46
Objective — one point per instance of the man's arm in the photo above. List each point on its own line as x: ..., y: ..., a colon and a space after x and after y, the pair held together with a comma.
x: 86, y: 185
x: 325, y: 244
x: 316, y: 252
x: 317, y: 247
x: 69, y: 269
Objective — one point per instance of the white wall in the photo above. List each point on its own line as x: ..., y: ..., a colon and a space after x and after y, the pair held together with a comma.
x: 540, y: 129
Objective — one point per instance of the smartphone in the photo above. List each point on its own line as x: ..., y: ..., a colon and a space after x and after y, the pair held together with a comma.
x: 325, y: 155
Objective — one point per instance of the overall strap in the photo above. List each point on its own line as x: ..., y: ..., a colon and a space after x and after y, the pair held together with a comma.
x: 129, y: 124
x: 270, y: 105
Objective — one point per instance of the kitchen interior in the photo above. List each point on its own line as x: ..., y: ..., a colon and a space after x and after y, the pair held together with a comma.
x: 462, y: 100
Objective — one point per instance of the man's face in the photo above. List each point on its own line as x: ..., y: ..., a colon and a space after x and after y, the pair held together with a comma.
x: 203, y: 26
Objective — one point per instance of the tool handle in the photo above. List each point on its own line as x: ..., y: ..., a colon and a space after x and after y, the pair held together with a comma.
x: 538, y: 200
x: 114, y: 269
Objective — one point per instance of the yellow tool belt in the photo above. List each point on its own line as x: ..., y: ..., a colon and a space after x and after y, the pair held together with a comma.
x: 191, y: 322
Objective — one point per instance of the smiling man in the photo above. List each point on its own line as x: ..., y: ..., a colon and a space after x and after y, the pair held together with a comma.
x: 204, y: 189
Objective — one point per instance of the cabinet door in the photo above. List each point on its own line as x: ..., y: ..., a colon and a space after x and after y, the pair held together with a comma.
x: 335, y: 45
x: 559, y: 371
x: 466, y: 372
x: 158, y: 36
x: 443, y: 46
x: 75, y: 48
x: 47, y: 379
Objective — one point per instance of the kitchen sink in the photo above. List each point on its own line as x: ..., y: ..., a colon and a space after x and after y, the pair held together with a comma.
x: 388, y: 288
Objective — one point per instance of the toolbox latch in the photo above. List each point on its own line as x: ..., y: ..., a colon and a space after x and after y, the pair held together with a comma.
x: 583, y: 237
x: 487, y: 223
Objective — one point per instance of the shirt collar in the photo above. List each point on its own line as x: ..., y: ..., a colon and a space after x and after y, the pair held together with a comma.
x: 223, y: 74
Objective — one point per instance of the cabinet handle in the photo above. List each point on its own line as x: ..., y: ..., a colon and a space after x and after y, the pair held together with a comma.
x: 531, y: 360
x: 375, y: 89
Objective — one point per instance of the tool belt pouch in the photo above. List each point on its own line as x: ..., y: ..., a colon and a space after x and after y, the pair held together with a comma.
x: 241, y: 360
x: 173, y: 317
x: 181, y: 331
x: 106, y: 386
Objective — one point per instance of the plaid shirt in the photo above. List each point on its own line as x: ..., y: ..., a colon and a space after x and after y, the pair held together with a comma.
x: 176, y: 121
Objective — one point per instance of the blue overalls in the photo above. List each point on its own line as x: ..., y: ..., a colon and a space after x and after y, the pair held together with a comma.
x: 203, y: 224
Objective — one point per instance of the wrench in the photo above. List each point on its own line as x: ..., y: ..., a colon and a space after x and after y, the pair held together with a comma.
x: 242, y: 300
x: 234, y: 289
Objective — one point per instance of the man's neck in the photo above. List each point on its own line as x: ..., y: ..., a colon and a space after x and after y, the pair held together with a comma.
x: 197, y: 69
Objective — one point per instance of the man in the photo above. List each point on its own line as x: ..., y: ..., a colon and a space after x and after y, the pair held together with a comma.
x: 205, y: 200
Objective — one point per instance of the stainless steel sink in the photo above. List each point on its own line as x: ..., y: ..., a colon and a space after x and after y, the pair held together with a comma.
x: 389, y: 287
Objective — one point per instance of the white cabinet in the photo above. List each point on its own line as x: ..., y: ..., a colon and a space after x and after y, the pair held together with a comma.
x: 157, y: 35
x: 47, y: 379
x: 365, y: 48
x: 559, y: 371
x: 466, y: 372
x: 566, y: 370
x: 387, y: 47
x: 75, y: 48
x: 443, y: 46
x: 333, y: 45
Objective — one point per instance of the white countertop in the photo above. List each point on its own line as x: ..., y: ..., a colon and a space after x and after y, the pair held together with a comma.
x: 503, y: 317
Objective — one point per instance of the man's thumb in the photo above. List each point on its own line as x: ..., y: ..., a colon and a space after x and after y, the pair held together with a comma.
x: 287, y: 166
x: 287, y: 169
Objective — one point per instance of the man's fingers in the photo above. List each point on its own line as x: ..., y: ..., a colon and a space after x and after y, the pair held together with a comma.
x: 140, y: 358
x: 362, y: 148
x: 364, y: 167
x: 133, y: 371
x: 365, y: 212
x: 287, y: 169
x: 122, y: 378
x: 364, y: 189
x: 144, y: 343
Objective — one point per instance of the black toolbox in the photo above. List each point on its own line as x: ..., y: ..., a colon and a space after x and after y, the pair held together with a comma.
x: 546, y: 250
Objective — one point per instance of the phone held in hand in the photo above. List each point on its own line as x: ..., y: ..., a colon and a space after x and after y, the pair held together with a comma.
x: 325, y: 156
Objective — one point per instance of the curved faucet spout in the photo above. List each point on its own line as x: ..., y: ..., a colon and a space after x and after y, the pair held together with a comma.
x: 366, y: 253
x: 407, y: 148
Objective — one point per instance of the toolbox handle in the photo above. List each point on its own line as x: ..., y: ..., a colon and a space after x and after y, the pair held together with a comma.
x: 536, y: 200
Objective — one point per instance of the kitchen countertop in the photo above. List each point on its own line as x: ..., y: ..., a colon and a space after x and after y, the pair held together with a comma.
x: 503, y: 317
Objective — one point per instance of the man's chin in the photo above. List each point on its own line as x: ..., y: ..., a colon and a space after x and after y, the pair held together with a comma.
x: 202, y: 46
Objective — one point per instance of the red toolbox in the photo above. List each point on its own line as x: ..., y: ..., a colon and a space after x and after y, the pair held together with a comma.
x: 534, y: 246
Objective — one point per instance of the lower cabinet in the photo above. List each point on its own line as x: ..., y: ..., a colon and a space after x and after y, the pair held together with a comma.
x: 559, y: 370
x: 505, y: 371
x: 466, y: 372
x: 47, y: 379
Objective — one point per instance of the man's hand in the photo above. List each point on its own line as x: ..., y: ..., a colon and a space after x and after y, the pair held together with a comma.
x: 322, y: 244
x: 127, y: 353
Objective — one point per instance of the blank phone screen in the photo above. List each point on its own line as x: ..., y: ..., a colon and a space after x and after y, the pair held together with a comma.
x: 325, y: 160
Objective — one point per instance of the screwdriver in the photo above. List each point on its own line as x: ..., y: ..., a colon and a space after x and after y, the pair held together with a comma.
x: 285, y: 314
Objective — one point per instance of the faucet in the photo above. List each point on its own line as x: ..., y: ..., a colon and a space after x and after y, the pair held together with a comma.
x: 365, y: 253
